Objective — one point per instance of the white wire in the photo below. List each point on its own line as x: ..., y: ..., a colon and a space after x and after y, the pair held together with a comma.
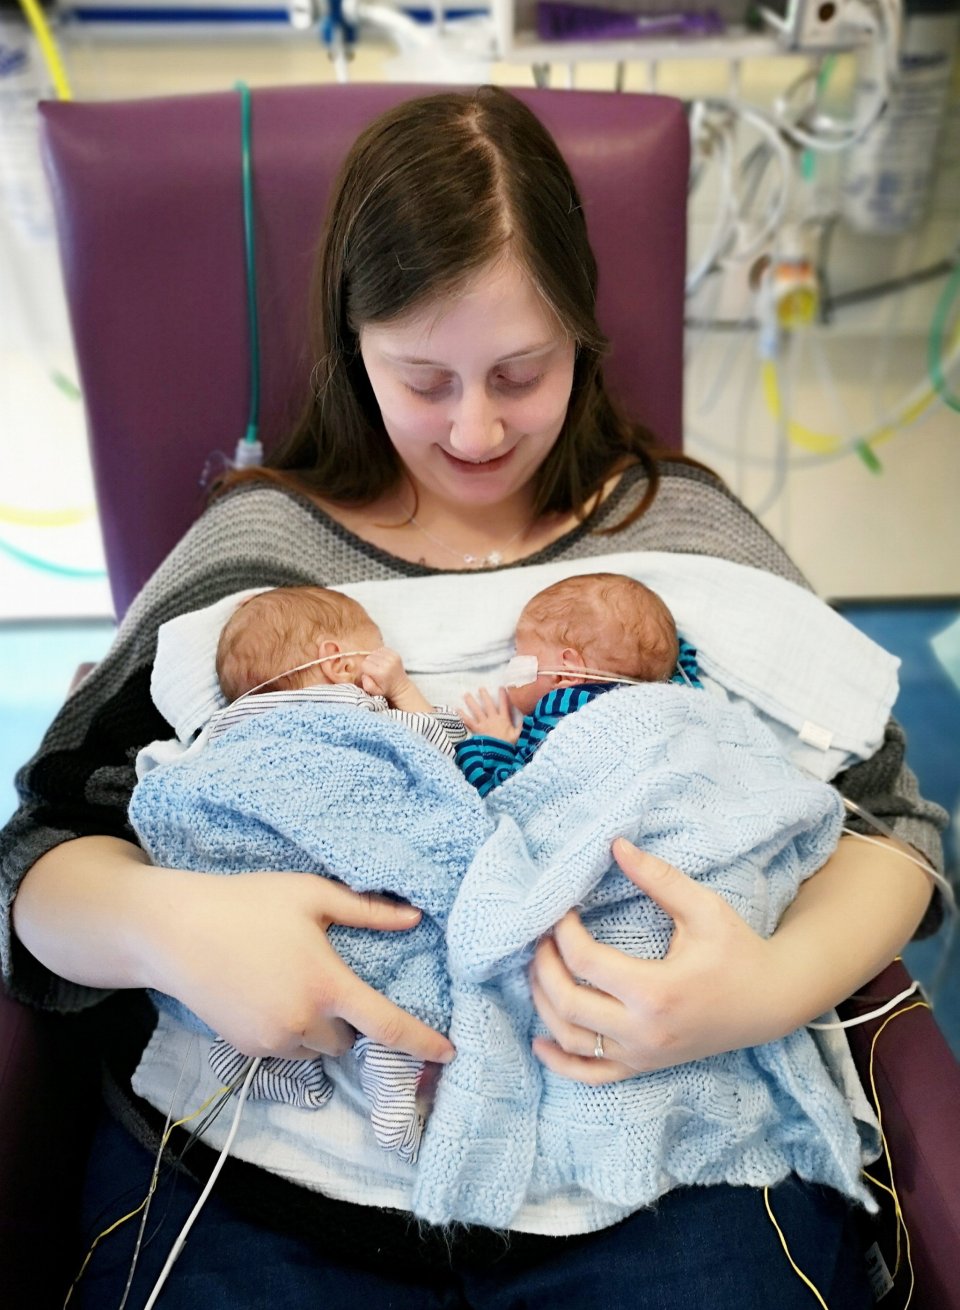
x: 873, y: 1014
x: 208, y: 1188
x: 719, y: 142
x: 152, y: 1186
x: 823, y: 132
x: 713, y: 136
x: 778, y: 212
x: 908, y: 853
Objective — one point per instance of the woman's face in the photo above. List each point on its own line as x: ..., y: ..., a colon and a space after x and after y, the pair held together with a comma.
x: 473, y: 389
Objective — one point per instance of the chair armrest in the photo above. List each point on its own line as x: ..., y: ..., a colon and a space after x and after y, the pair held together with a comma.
x: 917, y: 1080
x: 49, y: 1093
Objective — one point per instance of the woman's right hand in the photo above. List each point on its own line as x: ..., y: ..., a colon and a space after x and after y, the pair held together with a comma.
x: 248, y: 953
x: 253, y: 960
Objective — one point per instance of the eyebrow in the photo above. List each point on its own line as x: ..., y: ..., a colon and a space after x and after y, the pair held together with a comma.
x: 527, y: 353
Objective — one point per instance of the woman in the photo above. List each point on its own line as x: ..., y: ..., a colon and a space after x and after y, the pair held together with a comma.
x: 459, y: 419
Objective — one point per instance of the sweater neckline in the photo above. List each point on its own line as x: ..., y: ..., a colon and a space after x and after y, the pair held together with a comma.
x: 407, y: 568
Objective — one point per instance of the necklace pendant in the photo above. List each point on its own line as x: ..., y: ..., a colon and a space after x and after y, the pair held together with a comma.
x: 493, y: 559
x: 471, y: 561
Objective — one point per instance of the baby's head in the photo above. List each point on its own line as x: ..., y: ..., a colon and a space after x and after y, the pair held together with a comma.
x: 276, y: 630
x: 602, y: 621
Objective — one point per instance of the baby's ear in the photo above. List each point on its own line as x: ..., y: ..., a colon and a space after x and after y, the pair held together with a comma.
x: 335, y: 668
x: 573, y: 660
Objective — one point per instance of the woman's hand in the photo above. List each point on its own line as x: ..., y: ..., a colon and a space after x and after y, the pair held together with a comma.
x: 720, y: 987
x: 248, y: 953
x: 489, y: 717
x: 715, y: 990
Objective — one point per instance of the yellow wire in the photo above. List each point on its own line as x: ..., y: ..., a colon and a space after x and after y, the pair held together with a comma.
x: 901, y: 1223
x: 150, y: 1190
x: 44, y: 518
x: 877, y: 1183
x: 783, y: 1242
x: 825, y: 443
x: 48, y: 47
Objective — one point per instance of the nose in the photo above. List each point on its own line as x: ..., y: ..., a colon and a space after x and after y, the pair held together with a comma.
x: 475, y: 430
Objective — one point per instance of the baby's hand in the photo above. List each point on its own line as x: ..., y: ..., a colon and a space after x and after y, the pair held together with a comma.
x: 492, y: 718
x: 382, y: 674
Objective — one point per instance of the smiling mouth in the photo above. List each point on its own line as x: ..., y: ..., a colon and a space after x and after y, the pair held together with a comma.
x: 494, y: 460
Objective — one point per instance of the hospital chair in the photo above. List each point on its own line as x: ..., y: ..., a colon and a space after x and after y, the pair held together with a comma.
x: 150, y: 214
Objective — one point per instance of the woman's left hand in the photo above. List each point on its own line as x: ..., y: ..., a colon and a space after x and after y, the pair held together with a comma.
x: 715, y: 990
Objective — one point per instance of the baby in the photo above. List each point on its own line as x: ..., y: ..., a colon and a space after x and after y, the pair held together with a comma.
x: 311, y: 644
x: 581, y: 637
x: 283, y: 652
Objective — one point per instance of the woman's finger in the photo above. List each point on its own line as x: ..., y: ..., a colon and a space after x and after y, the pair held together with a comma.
x: 382, y: 1021
x: 685, y: 901
x: 338, y: 904
x: 563, y: 1002
x: 582, y: 1070
x: 605, y: 968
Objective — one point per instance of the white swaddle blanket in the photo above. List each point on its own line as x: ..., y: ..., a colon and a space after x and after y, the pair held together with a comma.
x: 820, y: 684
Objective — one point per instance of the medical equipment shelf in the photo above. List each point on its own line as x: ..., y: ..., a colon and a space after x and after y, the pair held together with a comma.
x: 526, y: 31
x: 737, y: 43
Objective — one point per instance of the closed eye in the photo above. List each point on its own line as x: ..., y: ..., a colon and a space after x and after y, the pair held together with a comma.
x: 428, y: 393
x: 519, y: 384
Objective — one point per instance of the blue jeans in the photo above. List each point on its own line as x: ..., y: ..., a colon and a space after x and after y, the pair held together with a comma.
x: 700, y: 1246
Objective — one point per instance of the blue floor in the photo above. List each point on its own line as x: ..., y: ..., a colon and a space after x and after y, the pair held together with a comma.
x: 38, y: 660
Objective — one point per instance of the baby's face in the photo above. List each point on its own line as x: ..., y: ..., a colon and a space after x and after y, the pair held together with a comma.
x: 549, y: 655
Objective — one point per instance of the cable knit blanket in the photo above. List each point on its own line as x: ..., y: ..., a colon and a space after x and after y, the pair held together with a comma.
x: 328, y: 789
x: 705, y: 786
x: 699, y: 782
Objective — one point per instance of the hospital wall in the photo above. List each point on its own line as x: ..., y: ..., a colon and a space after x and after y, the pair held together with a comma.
x: 876, y: 522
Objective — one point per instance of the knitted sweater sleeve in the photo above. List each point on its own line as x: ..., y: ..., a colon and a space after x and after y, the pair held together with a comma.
x: 80, y: 780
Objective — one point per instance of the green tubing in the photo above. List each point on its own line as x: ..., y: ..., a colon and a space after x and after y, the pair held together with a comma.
x: 253, y: 421
x: 935, y: 340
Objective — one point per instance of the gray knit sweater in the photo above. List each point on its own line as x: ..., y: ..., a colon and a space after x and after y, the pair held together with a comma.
x: 80, y: 781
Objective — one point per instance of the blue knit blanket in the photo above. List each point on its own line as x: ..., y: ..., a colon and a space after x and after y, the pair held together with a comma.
x: 328, y: 789
x: 702, y: 784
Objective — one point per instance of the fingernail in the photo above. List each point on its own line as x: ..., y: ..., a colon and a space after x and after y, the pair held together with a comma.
x: 448, y: 1056
x: 409, y: 913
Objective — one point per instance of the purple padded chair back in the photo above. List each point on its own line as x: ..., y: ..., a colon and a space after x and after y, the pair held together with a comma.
x: 148, y: 198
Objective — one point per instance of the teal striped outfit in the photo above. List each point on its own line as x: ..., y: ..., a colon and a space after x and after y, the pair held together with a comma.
x: 487, y: 761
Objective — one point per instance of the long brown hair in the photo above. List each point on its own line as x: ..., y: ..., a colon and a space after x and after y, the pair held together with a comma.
x: 430, y: 193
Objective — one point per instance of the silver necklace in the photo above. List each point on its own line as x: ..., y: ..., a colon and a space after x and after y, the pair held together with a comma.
x: 490, y: 560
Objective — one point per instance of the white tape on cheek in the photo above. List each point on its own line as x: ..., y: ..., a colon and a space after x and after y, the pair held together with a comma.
x: 521, y: 671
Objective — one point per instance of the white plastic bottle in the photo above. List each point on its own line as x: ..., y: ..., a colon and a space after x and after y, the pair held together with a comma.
x: 888, y: 176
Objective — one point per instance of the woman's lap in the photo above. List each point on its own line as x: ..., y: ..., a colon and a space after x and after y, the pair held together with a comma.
x: 699, y: 1246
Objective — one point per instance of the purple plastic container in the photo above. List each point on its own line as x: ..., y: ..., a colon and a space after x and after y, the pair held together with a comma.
x: 557, y: 21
